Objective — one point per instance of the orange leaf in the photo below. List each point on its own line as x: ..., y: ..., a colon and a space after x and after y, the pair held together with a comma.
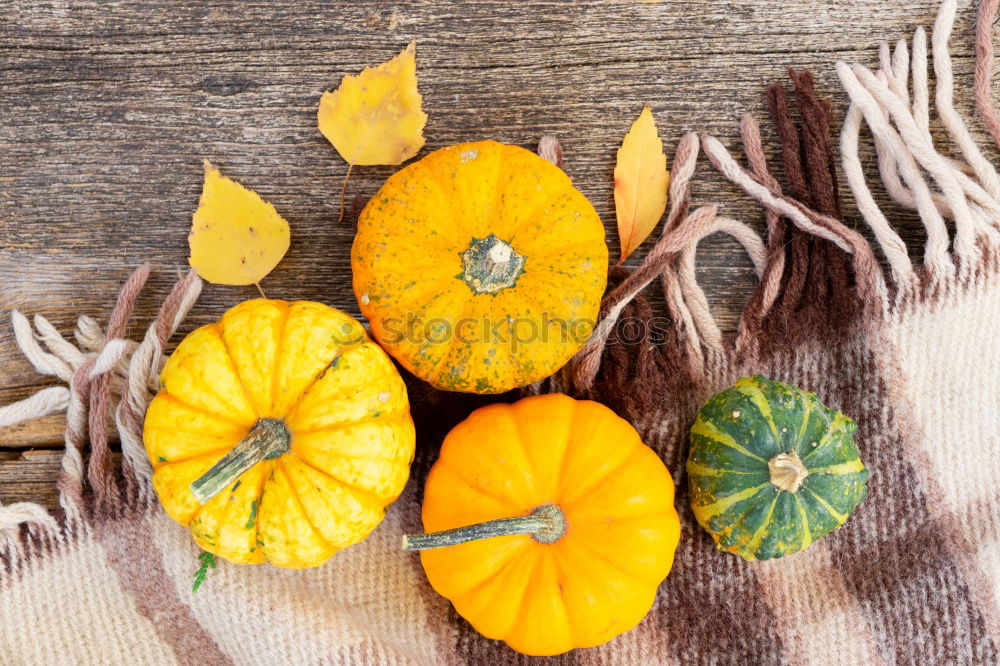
x: 641, y: 180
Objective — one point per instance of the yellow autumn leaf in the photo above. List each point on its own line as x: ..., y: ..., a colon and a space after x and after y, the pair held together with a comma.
x: 641, y: 181
x: 375, y: 117
x: 236, y: 237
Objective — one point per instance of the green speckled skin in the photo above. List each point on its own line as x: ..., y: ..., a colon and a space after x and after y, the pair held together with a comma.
x: 469, y: 331
x: 734, y: 436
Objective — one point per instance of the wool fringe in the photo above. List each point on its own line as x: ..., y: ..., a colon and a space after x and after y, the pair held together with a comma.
x: 104, y: 375
x: 819, y: 269
x: 915, y: 174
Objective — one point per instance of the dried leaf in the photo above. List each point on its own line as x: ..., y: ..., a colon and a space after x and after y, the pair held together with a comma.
x: 641, y: 180
x: 236, y: 237
x: 375, y: 117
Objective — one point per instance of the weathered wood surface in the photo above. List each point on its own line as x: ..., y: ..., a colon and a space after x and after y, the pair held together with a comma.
x: 109, y: 107
x: 30, y: 476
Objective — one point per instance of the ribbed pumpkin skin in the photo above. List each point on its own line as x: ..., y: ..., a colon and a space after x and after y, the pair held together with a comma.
x: 408, y: 266
x: 734, y: 436
x: 601, y: 577
x: 340, y: 397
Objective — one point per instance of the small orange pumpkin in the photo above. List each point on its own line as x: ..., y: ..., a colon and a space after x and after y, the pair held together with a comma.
x: 552, y: 524
x: 480, y: 267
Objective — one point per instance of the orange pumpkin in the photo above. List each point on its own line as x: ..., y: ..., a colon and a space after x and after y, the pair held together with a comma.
x: 480, y: 267
x: 552, y: 524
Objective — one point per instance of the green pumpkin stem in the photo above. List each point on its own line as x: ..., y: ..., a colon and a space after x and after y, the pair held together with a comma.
x: 268, y: 438
x: 546, y: 524
x: 787, y: 471
x: 490, y: 265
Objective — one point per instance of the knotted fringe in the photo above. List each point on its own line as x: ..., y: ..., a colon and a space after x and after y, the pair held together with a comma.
x: 782, y: 277
x: 915, y: 174
x: 105, y: 375
x: 818, y: 275
x: 984, y: 67
x: 550, y: 149
x: 818, y: 280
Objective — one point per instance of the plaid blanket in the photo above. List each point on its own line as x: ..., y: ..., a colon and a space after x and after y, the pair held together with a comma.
x: 907, y: 348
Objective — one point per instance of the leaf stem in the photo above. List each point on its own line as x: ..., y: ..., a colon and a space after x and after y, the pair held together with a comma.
x: 343, y: 193
x: 260, y: 289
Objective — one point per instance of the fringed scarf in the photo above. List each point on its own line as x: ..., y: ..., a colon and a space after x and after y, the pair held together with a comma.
x: 908, y: 349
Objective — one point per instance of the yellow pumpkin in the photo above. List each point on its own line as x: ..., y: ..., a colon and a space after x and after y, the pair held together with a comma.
x: 480, y: 267
x: 551, y: 524
x: 280, y: 434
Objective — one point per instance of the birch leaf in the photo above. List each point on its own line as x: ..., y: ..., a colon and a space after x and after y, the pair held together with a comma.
x: 375, y: 117
x: 641, y: 180
x: 236, y: 237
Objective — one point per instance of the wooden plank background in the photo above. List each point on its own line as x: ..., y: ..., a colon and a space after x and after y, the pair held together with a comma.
x: 107, y: 109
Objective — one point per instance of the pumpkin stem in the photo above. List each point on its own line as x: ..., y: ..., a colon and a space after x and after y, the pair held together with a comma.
x: 546, y: 524
x: 491, y: 265
x: 787, y: 471
x: 267, y: 439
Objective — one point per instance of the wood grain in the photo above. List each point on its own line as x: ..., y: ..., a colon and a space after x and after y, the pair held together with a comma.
x: 30, y: 476
x: 109, y: 107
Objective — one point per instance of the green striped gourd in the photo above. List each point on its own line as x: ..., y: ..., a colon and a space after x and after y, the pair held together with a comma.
x: 771, y: 469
